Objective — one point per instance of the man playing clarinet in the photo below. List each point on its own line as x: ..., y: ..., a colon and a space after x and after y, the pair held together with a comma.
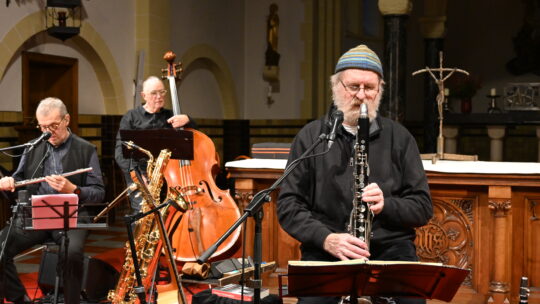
x: 63, y: 152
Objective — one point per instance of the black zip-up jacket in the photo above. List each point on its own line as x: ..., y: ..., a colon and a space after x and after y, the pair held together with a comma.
x: 316, y: 198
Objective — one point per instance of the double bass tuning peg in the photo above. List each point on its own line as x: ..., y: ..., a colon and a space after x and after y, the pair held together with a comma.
x: 173, y: 69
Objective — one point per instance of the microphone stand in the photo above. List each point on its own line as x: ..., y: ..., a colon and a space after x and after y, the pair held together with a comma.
x: 254, y: 209
x: 13, y: 219
x: 17, y: 205
x: 25, y: 145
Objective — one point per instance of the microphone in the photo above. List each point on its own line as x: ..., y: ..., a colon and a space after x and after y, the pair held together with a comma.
x: 44, y: 136
x: 338, y: 119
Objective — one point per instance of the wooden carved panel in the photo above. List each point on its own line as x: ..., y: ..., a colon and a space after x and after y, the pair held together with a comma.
x: 531, y: 259
x: 447, y: 238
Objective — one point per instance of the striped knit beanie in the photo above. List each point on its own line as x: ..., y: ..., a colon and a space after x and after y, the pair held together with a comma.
x: 360, y: 57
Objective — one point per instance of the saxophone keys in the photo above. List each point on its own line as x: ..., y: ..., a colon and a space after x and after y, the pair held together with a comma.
x: 153, y: 237
x: 147, y: 254
x: 143, y: 273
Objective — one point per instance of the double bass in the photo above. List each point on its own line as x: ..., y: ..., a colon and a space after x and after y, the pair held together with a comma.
x: 210, y: 210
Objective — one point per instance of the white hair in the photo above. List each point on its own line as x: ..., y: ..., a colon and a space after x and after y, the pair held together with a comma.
x: 49, y: 104
x: 150, y: 80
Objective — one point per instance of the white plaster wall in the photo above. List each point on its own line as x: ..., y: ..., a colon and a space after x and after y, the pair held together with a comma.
x: 115, y: 23
x: 199, y: 95
x: 218, y: 24
x: 291, y: 47
x: 237, y: 30
x: 16, y: 10
x: 113, y: 20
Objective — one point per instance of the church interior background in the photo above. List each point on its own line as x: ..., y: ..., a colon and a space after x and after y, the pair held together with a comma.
x: 239, y: 96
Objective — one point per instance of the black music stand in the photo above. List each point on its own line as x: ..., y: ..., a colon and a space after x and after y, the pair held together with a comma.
x: 374, y: 278
x: 179, y: 142
x: 54, y: 212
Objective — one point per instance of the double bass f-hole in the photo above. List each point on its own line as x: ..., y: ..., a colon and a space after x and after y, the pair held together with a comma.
x: 188, y: 191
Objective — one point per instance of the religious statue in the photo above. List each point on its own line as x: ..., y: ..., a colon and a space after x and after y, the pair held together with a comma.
x: 272, y: 28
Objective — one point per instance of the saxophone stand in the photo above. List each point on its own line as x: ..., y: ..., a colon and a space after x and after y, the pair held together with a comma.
x: 254, y: 209
x: 18, y: 205
x: 130, y: 220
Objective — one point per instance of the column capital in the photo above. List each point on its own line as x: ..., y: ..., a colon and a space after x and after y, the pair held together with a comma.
x: 395, y: 7
x: 496, y: 131
x: 450, y: 131
x: 432, y: 27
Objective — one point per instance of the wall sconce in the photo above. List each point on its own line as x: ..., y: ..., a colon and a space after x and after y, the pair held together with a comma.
x: 63, y: 18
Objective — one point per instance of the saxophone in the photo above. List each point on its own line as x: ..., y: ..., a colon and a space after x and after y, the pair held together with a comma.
x: 146, y: 234
x: 361, y: 218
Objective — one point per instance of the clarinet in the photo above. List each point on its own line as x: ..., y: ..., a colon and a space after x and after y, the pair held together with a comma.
x: 361, y: 217
x: 524, y: 290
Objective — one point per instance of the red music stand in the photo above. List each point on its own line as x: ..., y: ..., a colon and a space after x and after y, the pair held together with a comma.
x: 56, y: 212
x: 374, y: 278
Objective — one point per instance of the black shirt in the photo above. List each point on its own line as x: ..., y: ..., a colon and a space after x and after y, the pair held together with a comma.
x: 140, y: 119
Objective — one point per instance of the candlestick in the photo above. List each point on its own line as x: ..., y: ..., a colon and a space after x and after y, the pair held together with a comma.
x: 493, y: 102
x: 493, y: 92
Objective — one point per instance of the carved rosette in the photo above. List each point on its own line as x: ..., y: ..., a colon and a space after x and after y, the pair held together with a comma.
x: 500, y: 208
x: 447, y: 238
x: 243, y: 198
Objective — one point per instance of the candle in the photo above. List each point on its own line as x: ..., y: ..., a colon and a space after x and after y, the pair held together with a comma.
x: 446, y: 92
x: 493, y: 92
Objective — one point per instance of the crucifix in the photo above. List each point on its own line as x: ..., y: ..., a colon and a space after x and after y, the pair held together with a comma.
x: 443, y: 75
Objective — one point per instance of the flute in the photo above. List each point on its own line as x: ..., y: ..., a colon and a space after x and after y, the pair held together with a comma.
x: 41, y: 179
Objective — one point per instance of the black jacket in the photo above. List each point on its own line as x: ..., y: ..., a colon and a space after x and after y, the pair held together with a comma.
x: 316, y: 199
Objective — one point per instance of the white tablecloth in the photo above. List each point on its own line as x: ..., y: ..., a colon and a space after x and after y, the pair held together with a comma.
x: 447, y: 166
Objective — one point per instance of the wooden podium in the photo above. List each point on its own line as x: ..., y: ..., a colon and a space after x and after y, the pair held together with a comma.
x: 485, y: 221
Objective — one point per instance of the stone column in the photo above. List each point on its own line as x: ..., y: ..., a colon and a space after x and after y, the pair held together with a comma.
x: 433, y: 29
x: 499, y: 201
x: 496, y: 135
x: 395, y: 13
x: 450, y: 139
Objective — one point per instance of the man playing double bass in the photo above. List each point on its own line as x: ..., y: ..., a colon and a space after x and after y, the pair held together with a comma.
x: 151, y: 115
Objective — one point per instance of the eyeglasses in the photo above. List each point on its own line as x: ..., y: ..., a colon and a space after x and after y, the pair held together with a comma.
x: 52, y: 127
x: 156, y: 93
x: 369, y: 90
